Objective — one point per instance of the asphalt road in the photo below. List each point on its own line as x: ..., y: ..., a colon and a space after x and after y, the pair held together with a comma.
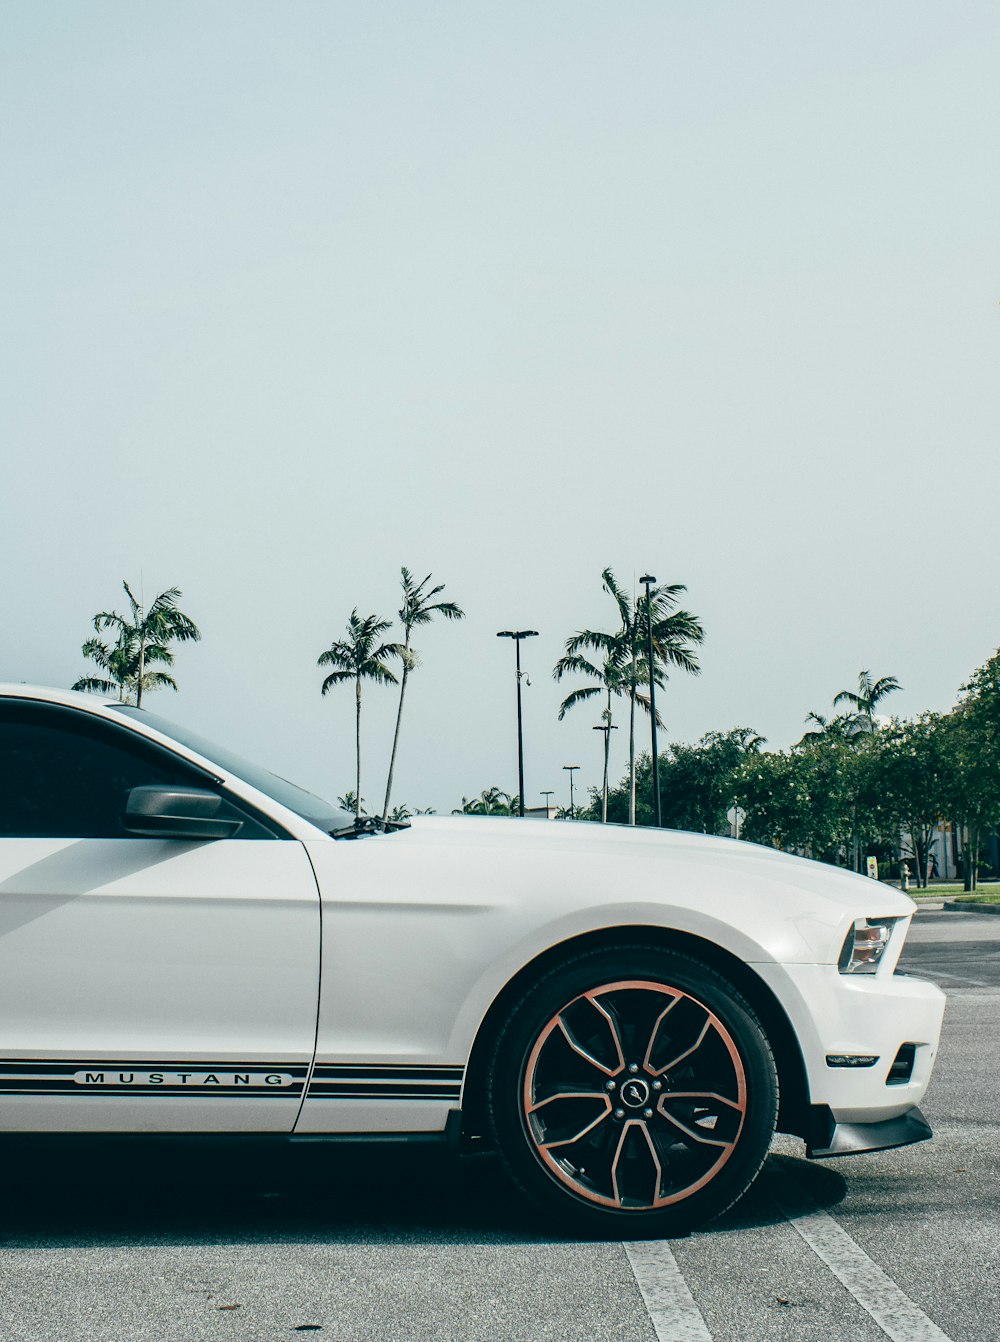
x: 128, y: 1245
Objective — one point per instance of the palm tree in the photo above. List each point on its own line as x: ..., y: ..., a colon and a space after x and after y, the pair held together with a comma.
x: 491, y: 801
x: 360, y: 656
x: 419, y: 607
x: 820, y: 727
x: 143, y: 637
x: 608, y: 680
x: 674, y: 634
x: 865, y: 700
x: 114, y: 660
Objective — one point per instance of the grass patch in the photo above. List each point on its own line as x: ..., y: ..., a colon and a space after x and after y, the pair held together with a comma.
x: 977, y: 897
x: 988, y: 892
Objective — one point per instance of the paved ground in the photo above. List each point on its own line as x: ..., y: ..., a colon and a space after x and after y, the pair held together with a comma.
x: 360, y: 1248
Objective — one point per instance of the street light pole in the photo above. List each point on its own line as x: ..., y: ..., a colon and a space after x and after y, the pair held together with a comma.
x: 571, y: 768
x: 517, y: 635
x: 548, y: 805
x: 607, y: 728
x: 646, y: 579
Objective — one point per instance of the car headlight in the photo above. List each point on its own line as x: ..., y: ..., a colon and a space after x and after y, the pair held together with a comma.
x: 865, y: 945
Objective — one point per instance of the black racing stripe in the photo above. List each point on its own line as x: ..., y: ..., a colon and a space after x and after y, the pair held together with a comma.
x: 360, y: 1083
x: 383, y: 1095
x: 359, y: 1088
x: 49, y: 1083
x: 331, y: 1071
x: 121, y: 1092
x: 298, y: 1069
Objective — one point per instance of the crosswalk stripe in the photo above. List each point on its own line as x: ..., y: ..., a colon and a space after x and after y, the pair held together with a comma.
x: 674, y: 1315
x: 877, y: 1294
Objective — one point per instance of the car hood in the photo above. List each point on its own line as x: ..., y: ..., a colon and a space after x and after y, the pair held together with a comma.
x: 748, y: 862
x: 761, y: 904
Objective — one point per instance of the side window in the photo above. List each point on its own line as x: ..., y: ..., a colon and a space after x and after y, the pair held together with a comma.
x: 64, y: 777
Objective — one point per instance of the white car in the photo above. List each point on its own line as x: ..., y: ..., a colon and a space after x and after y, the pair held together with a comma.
x: 189, y: 944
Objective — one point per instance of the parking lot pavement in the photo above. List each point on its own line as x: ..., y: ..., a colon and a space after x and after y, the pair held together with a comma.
x: 960, y: 950
x: 125, y: 1244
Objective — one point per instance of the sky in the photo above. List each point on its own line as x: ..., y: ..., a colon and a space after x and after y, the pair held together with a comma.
x: 508, y: 293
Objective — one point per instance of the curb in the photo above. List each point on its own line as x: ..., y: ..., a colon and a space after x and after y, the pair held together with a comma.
x: 970, y: 906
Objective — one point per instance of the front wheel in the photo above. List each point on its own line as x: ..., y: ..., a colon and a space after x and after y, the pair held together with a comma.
x: 633, y: 1092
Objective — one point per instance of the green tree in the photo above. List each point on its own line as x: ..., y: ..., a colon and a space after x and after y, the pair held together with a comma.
x: 773, y: 788
x: 142, y: 641
x: 418, y: 608
x: 360, y: 656
x: 855, y: 727
x: 911, y: 778
x: 804, y: 799
x: 974, y: 728
x: 698, y: 783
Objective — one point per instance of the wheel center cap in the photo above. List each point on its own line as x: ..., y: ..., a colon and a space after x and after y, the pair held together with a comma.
x: 635, y: 1093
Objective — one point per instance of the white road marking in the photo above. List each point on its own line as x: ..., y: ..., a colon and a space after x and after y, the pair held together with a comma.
x: 895, y: 1313
x: 671, y: 1307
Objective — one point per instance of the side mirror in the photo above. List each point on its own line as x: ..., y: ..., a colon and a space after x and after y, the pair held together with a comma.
x: 178, y: 813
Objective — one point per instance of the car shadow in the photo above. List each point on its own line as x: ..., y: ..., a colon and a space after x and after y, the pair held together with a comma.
x: 107, y: 1192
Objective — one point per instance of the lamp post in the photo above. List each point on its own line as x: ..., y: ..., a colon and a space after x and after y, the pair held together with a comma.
x: 646, y: 579
x: 571, y: 768
x: 517, y: 635
x: 607, y: 729
x: 548, y: 805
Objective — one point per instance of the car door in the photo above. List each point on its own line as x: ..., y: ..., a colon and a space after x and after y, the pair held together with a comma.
x: 146, y: 984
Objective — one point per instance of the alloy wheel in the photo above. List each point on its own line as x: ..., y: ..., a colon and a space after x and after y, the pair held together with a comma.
x: 634, y: 1095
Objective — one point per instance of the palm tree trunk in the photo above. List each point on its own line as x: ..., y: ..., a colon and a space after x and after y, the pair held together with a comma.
x: 395, y: 738
x: 142, y: 669
x: 631, y: 756
x: 357, y: 747
x: 607, y: 748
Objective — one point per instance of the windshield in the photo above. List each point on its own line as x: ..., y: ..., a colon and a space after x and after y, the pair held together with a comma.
x: 314, y: 809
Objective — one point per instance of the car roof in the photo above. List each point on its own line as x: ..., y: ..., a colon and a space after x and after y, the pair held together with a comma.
x: 53, y: 695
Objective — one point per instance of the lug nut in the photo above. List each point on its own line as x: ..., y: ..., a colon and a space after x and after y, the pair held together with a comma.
x: 619, y: 1113
x: 657, y: 1085
x: 611, y: 1085
x: 647, y: 1113
x: 633, y: 1066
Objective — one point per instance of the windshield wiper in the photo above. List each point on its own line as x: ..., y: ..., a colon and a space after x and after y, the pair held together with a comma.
x: 368, y: 824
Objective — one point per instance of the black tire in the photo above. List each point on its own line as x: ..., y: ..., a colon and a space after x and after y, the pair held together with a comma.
x: 632, y: 1092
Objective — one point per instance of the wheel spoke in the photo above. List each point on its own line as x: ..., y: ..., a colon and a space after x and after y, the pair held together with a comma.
x: 549, y: 1143
x: 647, y: 1058
x: 585, y: 1053
x: 635, y: 1131
x: 707, y: 1102
x: 685, y: 1053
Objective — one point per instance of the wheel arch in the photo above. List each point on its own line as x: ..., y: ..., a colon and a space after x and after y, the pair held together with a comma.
x: 793, y: 1089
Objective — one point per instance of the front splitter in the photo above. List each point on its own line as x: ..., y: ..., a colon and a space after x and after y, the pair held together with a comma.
x: 828, y: 1138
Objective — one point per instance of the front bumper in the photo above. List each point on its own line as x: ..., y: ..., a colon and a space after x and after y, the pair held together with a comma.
x: 838, y: 1016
